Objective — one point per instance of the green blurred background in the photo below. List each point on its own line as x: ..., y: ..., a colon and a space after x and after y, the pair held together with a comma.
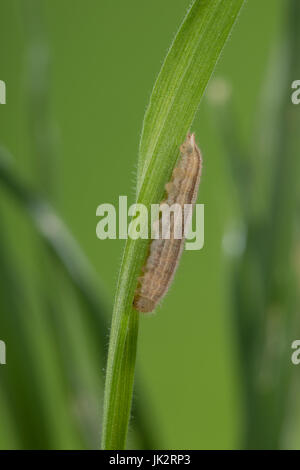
x: 214, y: 367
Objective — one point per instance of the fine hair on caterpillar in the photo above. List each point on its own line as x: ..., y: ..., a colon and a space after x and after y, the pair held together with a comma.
x: 169, y: 233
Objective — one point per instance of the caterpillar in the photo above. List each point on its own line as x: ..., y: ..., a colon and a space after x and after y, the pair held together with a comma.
x: 164, y: 253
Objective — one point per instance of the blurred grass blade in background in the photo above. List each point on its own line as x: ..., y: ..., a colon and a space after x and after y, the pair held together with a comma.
x: 58, y: 239
x: 38, y: 91
x: 265, y: 298
x: 173, y: 103
x: 65, y: 250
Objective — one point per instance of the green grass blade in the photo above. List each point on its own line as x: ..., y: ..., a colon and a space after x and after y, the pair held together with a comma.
x: 183, y: 79
x: 266, y: 299
x: 174, y: 101
x: 72, y: 260
x: 58, y: 239
x: 9, y: 438
x: 38, y: 73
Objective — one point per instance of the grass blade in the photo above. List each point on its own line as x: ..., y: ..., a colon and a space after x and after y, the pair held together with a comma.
x: 173, y: 104
x: 266, y: 299
x: 183, y: 78
x: 58, y: 239
x: 73, y: 262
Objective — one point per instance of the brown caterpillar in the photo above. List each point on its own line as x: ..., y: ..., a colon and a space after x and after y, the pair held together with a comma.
x: 164, y: 254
